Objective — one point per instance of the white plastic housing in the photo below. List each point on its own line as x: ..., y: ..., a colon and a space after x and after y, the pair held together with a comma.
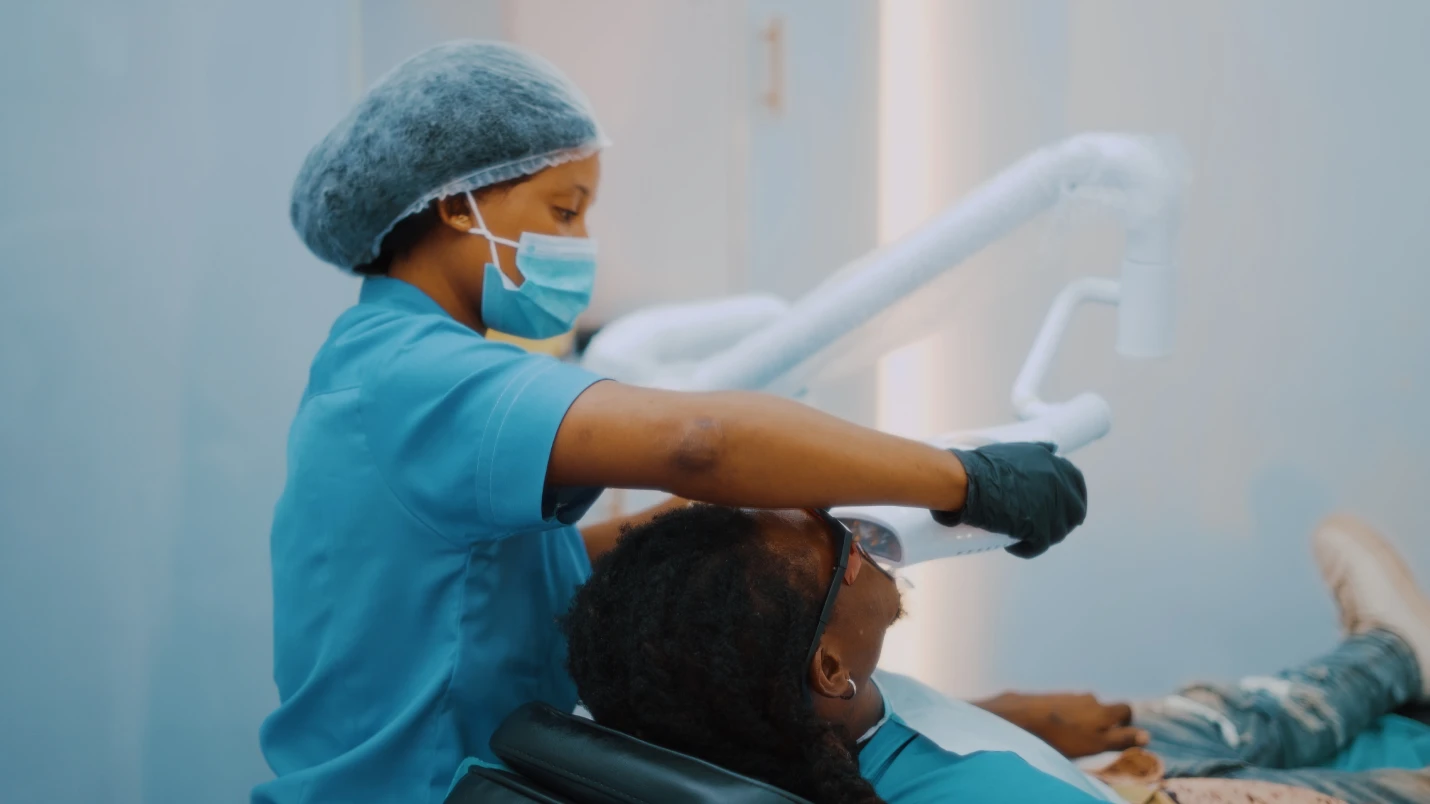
x: 1132, y: 174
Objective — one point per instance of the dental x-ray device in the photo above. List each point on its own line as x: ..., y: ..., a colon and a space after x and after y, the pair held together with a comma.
x: 758, y: 342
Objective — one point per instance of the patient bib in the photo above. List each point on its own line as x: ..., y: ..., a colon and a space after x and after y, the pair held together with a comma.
x: 963, y: 728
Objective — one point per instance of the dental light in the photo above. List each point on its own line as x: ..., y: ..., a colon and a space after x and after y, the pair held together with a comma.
x: 1139, y: 180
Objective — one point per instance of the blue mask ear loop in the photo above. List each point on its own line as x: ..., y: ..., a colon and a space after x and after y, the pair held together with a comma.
x: 481, y: 230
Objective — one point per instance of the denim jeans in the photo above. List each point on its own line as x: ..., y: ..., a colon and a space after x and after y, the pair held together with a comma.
x: 1279, y: 728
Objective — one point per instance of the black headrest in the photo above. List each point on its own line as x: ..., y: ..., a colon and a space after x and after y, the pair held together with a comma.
x: 483, y: 785
x: 1416, y: 711
x: 586, y: 762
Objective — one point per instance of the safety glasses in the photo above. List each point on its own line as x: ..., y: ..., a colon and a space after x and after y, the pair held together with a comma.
x: 850, y: 558
x: 877, y: 539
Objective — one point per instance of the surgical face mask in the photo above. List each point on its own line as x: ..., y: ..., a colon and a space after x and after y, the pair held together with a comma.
x: 557, y: 276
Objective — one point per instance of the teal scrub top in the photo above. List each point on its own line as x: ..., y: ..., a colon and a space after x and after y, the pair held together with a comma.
x: 906, y: 767
x: 419, y: 560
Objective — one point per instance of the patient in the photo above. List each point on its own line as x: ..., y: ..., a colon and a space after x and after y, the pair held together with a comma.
x: 702, y: 632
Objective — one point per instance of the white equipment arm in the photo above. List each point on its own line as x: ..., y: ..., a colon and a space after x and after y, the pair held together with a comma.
x: 1132, y: 173
x: 1140, y: 180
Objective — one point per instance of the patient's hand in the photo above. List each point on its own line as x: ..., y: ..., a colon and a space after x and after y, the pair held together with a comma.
x: 1076, y: 725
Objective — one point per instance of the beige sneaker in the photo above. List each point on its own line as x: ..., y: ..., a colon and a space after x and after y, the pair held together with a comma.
x: 1372, y: 585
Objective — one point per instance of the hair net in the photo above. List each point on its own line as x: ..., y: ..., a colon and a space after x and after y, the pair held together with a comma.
x: 456, y: 117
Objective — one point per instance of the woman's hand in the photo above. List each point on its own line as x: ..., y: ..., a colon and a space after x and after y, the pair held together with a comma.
x: 1023, y: 490
x: 1075, y: 725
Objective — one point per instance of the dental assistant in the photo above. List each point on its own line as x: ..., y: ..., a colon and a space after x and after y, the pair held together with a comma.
x: 424, y: 545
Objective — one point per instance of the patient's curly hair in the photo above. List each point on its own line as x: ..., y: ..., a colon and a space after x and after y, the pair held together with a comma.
x: 692, y: 634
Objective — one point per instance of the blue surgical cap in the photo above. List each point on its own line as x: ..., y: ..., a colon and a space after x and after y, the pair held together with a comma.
x: 457, y: 117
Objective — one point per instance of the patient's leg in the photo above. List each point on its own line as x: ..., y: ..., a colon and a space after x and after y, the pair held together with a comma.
x: 1298, y: 718
x: 1273, y: 728
x: 1390, y: 786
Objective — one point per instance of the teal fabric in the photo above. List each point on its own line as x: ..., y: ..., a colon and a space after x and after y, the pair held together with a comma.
x: 907, y: 768
x: 419, y: 562
x: 1391, y: 742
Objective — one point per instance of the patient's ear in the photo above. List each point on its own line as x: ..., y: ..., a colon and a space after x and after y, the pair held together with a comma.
x: 827, y: 674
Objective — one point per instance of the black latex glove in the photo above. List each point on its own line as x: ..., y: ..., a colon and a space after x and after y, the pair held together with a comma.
x: 1020, y: 490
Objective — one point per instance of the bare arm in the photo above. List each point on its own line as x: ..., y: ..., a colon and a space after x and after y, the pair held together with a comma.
x: 1076, y: 725
x: 747, y: 449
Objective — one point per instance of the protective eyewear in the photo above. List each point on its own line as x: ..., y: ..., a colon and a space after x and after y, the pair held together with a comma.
x: 850, y: 558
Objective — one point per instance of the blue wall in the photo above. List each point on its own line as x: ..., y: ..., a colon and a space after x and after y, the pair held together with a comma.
x: 1301, y: 377
x: 154, y: 338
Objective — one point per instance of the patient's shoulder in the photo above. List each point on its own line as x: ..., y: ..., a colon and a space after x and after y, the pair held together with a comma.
x: 920, y: 771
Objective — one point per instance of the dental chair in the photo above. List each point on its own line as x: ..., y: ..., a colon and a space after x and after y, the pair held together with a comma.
x: 555, y: 758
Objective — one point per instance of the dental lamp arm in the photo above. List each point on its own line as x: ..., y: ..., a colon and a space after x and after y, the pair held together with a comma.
x: 1025, y: 388
x: 907, y: 536
x: 1139, y: 179
x: 663, y: 344
x: 911, y: 537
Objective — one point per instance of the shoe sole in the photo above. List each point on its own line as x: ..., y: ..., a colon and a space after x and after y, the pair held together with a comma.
x: 1372, y: 542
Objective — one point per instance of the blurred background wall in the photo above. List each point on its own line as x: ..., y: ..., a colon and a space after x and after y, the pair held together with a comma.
x: 1299, y: 383
x: 160, y: 314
